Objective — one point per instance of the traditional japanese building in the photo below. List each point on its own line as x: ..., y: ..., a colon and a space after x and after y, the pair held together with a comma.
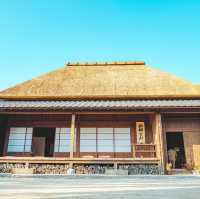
x: 91, y: 116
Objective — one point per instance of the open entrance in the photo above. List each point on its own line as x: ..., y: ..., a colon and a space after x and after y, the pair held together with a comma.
x: 43, y: 142
x: 175, y: 149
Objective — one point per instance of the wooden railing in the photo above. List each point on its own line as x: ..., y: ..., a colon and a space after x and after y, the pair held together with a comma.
x: 144, y: 150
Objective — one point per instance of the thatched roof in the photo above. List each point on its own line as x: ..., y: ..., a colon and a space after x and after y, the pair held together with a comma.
x: 103, y: 80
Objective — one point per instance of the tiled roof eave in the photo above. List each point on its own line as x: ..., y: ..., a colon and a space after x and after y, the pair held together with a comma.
x: 98, y: 104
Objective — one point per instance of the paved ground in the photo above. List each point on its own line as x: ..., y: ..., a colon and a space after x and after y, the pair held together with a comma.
x: 87, y: 187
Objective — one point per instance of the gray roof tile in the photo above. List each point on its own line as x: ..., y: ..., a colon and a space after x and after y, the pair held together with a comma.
x: 98, y: 104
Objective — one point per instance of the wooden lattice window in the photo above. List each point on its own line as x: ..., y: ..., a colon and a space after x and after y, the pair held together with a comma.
x: 105, y: 140
x: 62, y: 140
x: 20, y: 139
x: 88, y: 137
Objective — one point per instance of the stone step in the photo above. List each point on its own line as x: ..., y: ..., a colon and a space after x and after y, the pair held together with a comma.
x: 180, y: 172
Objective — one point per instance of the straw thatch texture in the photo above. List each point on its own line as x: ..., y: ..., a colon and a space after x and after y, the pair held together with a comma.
x: 119, y: 80
x: 198, y: 88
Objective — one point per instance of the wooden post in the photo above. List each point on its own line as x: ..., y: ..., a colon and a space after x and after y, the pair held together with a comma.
x: 27, y: 165
x: 6, y: 139
x: 72, y: 133
x: 158, y: 139
x: 77, y: 137
x: 134, y: 153
x: 115, y: 166
x: 133, y: 141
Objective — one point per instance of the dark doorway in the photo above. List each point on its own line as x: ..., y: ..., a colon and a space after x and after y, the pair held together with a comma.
x: 43, y: 141
x: 175, y: 142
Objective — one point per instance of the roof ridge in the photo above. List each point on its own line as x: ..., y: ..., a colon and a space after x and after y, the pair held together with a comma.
x: 105, y: 63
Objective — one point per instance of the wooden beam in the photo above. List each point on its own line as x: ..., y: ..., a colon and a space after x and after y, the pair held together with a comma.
x: 72, y: 135
x: 77, y: 113
x: 53, y: 160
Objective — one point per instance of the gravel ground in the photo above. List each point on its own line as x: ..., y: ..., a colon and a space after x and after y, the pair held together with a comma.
x: 87, y: 187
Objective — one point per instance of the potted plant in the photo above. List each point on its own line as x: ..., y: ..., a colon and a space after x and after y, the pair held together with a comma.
x: 196, y: 170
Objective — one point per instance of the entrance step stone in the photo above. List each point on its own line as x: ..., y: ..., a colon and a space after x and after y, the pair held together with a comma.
x: 180, y: 172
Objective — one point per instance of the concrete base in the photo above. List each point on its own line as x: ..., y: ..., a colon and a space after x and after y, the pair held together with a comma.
x: 24, y: 171
x: 116, y: 172
x: 70, y: 172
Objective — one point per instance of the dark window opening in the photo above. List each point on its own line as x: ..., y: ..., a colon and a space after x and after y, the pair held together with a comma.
x: 175, y: 142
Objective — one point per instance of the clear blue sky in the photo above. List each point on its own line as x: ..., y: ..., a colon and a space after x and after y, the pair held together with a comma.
x: 40, y: 35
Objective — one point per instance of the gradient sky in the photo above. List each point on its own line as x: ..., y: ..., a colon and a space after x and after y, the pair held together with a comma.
x: 40, y: 35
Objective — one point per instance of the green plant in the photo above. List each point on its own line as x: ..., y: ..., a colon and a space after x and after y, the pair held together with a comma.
x: 197, y: 168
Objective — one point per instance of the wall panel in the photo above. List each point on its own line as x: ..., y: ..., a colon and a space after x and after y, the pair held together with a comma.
x: 190, y: 126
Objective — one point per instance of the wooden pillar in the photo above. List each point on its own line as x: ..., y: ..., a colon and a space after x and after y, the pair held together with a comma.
x: 3, y: 131
x: 133, y: 141
x: 72, y: 135
x: 6, y: 139
x: 77, y: 137
x: 158, y: 139
x: 115, y: 166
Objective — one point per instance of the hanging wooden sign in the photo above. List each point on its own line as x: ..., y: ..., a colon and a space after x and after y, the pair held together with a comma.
x: 140, y: 132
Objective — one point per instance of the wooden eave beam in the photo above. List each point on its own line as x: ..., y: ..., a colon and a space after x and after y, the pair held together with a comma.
x: 77, y: 113
x: 100, y: 97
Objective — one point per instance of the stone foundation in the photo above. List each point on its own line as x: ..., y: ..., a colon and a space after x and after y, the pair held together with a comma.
x: 91, y: 168
x: 131, y: 169
x: 8, y: 167
x: 49, y: 168
x: 141, y: 169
